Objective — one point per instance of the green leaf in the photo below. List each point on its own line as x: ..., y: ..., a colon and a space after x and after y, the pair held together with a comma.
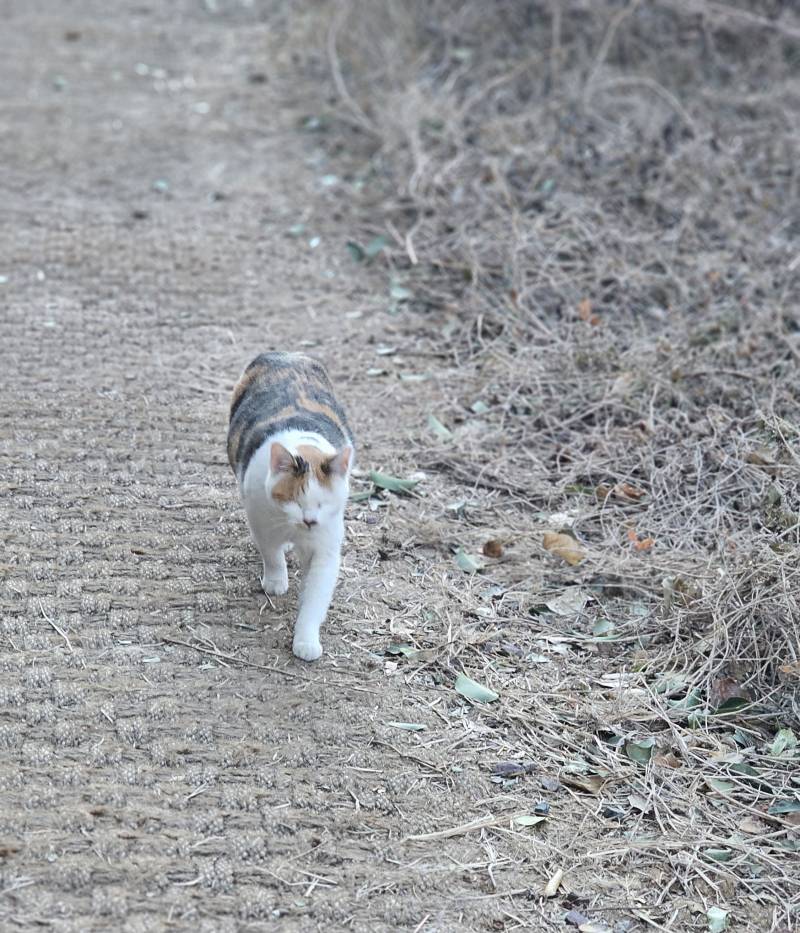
x: 392, y: 483
x: 407, y: 651
x: 783, y: 741
x: 670, y: 684
x: 479, y: 407
x: 641, y: 751
x: 375, y: 246
x: 399, y: 292
x: 439, y: 429
x: 526, y: 820
x: 741, y: 767
x: 360, y: 496
x: 467, y: 562
x: 784, y: 806
x: 691, y: 701
x: 731, y: 705
x: 722, y: 787
x: 602, y: 627
x: 472, y: 690
x: 719, y: 855
x: 717, y: 919
x: 356, y: 250
x: 409, y: 726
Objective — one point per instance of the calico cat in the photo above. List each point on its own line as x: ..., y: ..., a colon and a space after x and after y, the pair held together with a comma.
x: 292, y: 451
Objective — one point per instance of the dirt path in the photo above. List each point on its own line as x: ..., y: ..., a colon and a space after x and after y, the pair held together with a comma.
x: 150, y: 176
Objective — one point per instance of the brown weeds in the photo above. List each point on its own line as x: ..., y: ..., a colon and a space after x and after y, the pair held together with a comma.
x: 593, y: 204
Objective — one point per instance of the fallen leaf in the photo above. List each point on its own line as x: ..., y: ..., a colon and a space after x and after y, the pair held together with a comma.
x: 569, y: 602
x: 718, y: 855
x: 784, y: 740
x: 375, y: 246
x: 790, y: 671
x: 399, y: 292
x: 563, y: 546
x: 356, y: 250
x: 782, y: 807
x: 613, y: 812
x: 552, y: 886
x: 732, y: 705
x: 439, y: 429
x: 720, y: 786
x: 717, y: 919
x: 479, y: 407
x: 726, y: 688
x: 668, y: 760
x: 602, y: 627
x: 492, y: 548
x: 585, y: 312
x: 591, y: 783
x: 526, y: 820
x: 761, y: 456
x: 407, y: 651
x: 392, y: 483
x: 637, y: 802
x: 641, y: 751
x: 575, y: 918
x: 410, y: 726
x: 742, y: 767
x: 472, y: 690
x: 752, y: 826
x: 513, y: 768
x: 626, y: 491
x: 467, y: 562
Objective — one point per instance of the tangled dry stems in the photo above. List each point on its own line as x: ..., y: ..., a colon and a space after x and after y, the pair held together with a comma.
x: 592, y: 203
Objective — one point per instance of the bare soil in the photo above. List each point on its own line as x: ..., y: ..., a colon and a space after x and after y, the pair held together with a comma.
x: 166, y: 763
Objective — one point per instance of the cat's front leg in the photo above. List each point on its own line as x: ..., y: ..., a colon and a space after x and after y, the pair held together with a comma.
x: 319, y: 582
x: 274, y: 575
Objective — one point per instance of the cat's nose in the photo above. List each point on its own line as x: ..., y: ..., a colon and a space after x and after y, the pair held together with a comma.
x: 309, y: 522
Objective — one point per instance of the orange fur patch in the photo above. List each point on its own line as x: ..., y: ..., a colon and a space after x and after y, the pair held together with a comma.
x: 290, y: 487
x: 319, y: 407
x: 316, y: 460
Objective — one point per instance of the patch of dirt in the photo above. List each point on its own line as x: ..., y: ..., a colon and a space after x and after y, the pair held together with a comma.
x: 166, y: 763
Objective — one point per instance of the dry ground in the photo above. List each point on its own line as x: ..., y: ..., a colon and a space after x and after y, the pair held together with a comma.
x: 166, y: 763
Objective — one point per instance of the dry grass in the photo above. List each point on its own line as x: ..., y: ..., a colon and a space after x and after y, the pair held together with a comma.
x: 593, y: 206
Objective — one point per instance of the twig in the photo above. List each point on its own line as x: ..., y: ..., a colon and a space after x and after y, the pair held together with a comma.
x: 266, y: 667
x: 60, y: 631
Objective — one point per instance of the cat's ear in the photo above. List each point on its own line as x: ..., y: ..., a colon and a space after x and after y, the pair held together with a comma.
x: 339, y: 463
x: 280, y: 460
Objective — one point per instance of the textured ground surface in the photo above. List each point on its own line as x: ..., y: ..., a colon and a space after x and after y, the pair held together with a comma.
x: 150, y: 177
x: 165, y: 763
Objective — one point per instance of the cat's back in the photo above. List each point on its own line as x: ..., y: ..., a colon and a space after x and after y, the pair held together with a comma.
x: 281, y: 391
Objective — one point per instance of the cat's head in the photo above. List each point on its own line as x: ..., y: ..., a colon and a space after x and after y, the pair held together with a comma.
x: 310, y: 487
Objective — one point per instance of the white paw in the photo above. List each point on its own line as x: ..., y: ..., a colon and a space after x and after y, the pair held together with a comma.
x: 307, y: 650
x: 274, y: 586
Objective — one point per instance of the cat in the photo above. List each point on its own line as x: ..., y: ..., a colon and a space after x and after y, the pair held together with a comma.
x: 292, y: 451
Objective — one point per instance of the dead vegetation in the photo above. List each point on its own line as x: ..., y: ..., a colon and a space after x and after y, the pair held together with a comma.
x: 589, y: 208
